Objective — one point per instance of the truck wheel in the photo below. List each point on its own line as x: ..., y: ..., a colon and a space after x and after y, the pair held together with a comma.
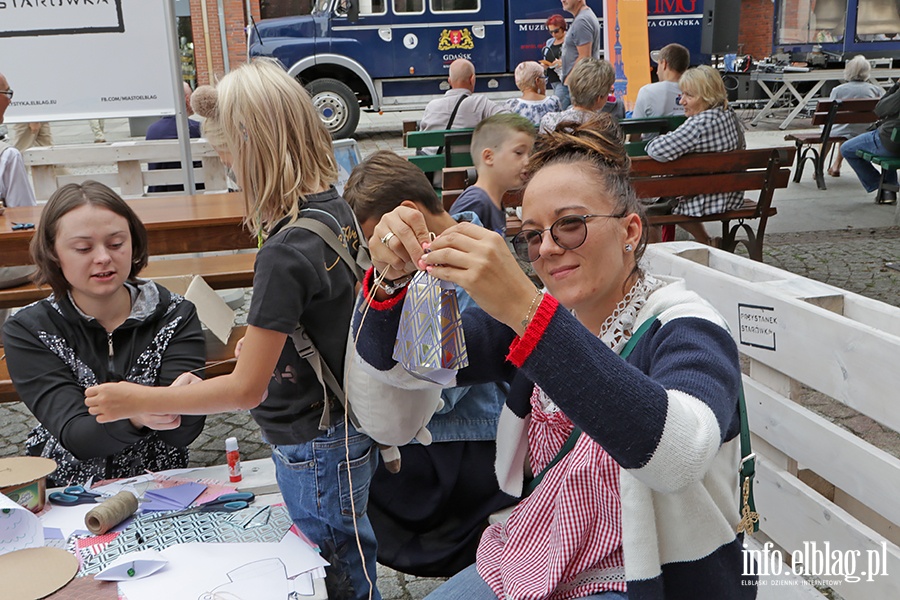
x: 337, y: 106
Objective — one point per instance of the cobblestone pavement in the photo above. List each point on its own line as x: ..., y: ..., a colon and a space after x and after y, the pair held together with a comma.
x: 852, y: 259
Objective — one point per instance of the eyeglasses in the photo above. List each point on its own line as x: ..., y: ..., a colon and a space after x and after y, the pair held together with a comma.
x: 554, y: 31
x: 568, y: 232
x: 8, y: 93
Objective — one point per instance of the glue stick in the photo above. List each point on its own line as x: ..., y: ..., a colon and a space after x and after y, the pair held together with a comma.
x: 234, y: 459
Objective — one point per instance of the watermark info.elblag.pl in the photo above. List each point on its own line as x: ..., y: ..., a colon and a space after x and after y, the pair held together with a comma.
x: 818, y: 562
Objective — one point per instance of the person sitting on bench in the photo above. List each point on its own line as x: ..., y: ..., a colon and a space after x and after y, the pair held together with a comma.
x: 711, y: 126
x: 856, y: 72
x: 877, y: 142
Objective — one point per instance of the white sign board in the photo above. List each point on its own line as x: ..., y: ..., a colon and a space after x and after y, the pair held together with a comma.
x: 85, y: 59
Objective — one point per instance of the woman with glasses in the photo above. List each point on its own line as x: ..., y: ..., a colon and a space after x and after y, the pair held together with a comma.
x: 534, y: 103
x: 101, y: 324
x: 552, y: 61
x: 645, y: 501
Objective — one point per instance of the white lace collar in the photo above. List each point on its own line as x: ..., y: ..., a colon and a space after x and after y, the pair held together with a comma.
x: 618, y: 327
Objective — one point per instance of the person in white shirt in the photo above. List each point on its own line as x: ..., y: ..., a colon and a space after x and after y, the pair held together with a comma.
x: 14, y: 191
x: 14, y: 187
x: 662, y: 99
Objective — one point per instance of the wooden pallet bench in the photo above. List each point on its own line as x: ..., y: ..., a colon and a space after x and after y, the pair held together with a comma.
x: 819, y: 487
x: 131, y: 178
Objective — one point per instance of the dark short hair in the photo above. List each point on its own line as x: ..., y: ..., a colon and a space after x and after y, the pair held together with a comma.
x: 382, y: 181
x: 68, y: 198
x: 676, y: 56
x: 558, y: 21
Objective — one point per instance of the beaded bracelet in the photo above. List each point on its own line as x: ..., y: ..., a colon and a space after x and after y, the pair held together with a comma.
x: 535, y: 302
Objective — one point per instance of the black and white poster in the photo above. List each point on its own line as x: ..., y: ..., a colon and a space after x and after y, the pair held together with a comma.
x: 85, y: 59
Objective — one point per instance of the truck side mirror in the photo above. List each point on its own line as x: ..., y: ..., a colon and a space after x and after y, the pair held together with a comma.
x: 353, y: 10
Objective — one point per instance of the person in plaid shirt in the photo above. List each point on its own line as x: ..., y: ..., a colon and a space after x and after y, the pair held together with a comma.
x: 711, y: 127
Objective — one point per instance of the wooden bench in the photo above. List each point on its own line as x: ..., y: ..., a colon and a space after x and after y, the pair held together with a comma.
x: 455, y: 143
x: 887, y: 163
x: 221, y: 272
x: 130, y: 178
x: 215, y: 353
x: 809, y: 345
x: 764, y: 169
x: 815, y: 146
x: 657, y: 125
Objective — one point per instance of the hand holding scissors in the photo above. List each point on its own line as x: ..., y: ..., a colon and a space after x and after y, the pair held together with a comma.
x: 73, y: 495
x: 224, y: 503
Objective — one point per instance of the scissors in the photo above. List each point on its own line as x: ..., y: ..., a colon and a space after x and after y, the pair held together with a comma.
x: 224, y: 503
x: 73, y: 495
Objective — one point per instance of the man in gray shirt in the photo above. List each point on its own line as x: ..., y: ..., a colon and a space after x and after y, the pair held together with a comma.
x: 583, y: 36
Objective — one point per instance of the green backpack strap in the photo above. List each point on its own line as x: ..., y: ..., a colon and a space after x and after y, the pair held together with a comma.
x: 576, y: 431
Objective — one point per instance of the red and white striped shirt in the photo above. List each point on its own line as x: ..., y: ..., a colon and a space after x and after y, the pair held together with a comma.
x: 565, y: 539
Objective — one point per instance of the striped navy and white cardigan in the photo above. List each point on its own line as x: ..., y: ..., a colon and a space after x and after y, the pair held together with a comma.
x: 668, y: 416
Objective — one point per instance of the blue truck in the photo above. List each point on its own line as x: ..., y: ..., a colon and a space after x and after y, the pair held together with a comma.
x: 381, y: 55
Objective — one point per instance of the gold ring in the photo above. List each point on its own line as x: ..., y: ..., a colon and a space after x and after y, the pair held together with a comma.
x: 386, y: 239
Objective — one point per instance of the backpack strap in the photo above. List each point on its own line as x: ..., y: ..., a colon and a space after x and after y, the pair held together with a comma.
x: 304, y: 345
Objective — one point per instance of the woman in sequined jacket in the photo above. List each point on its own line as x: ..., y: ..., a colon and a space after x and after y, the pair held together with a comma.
x: 101, y: 324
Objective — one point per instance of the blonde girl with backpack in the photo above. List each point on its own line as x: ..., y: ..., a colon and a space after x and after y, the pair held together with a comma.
x: 266, y: 129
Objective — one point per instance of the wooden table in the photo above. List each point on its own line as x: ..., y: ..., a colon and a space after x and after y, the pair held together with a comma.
x: 783, y: 83
x: 175, y: 225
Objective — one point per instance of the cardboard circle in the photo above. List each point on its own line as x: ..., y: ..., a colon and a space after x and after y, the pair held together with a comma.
x: 24, y: 469
x: 36, y: 572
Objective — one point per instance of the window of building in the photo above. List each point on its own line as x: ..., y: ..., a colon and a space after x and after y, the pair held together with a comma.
x: 438, y: 6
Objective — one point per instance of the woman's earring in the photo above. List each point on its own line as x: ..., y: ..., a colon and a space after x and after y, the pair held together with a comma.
x: 628, y: 247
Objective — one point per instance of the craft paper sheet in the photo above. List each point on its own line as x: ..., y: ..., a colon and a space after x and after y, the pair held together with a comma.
x: 246, y: 571
x: 19, y: 527
x: 253, y: 524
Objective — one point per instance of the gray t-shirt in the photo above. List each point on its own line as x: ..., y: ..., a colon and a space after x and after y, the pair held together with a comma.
x: 584, y: 29
x: 660, y: 99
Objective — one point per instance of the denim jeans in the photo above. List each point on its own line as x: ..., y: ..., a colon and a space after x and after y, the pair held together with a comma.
x: 868, y: 175
x: 468, y: 585
x: 561, y: 91
x: 316, y: 490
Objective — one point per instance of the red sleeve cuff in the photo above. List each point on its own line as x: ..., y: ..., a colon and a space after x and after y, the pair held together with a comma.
x: 368, y: 282
x: 522, y: 347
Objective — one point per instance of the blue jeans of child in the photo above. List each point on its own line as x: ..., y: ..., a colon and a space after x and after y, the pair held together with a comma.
x: 316, y: 490
x: 561, y: 91
x: 868, y: 175
x: 468, y: 585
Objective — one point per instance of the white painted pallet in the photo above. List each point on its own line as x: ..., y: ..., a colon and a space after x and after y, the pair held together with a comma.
x: 797, y: 330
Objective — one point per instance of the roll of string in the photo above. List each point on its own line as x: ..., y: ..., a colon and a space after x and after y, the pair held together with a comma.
x: 111, y: 512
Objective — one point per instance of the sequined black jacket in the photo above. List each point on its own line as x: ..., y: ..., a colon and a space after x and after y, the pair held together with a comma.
x: 54, y: 352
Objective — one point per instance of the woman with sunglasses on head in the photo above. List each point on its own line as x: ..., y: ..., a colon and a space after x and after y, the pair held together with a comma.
x: 552, y: 61
x: 645, y: 503
x: 101, y: 324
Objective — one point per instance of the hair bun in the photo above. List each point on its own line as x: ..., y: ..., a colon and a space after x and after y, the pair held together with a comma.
x: 204, y: 101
